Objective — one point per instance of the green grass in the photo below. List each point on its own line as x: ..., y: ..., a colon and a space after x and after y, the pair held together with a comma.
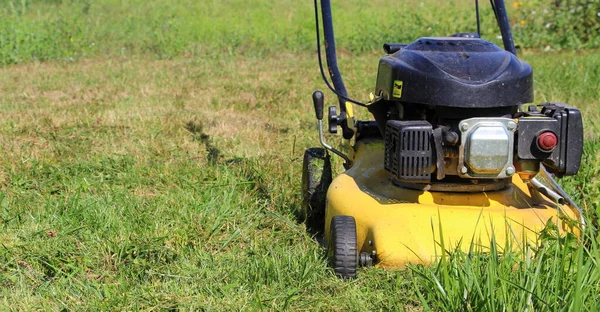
x: 133, y: 181
x: 73, y: 29
x: 39, y: 30
x: 111, y: 199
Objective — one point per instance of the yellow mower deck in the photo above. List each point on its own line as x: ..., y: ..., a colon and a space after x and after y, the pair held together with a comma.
x: 405, y: 226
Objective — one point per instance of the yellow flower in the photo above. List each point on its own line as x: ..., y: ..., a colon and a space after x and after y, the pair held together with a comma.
x: 517, y: 4
x: 522, y: 22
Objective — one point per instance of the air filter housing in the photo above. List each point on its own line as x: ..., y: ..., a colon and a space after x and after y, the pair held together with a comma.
x: 409, y: 150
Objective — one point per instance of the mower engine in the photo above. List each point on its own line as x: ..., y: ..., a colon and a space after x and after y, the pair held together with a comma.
x: 454, y: 126
x: 450, y: 110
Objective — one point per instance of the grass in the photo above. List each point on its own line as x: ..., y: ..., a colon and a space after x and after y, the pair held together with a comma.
x: 41, y: 30
x: 111, y: 199
x: 133, y: 181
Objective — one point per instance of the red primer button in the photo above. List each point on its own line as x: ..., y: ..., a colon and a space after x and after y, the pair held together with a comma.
x: 547, y: 141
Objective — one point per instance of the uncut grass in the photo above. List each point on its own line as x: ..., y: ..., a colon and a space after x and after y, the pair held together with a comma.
x: 557, y: 274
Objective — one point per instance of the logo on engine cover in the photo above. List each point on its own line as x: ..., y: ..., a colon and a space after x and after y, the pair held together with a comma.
x: 397, y: 88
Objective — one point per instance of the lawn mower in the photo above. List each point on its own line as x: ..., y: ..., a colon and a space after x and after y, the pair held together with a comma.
x: 456, y: 153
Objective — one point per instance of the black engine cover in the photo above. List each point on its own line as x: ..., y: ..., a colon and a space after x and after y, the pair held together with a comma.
x: 455, y: 72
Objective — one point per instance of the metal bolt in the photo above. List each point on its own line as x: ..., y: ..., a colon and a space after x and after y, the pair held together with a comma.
x: 365, y: 259
x: 463, y: 170
x: 374, y: 253
x: 464, y: 126
x: 370, y: 243
x: 511, y: 125
x: 510, y: 171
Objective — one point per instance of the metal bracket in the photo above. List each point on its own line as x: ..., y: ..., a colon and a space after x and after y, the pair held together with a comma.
x: 543, y: 183
x: 331, y: 148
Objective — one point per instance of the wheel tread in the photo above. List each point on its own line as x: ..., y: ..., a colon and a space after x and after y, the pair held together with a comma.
x: 344, y: 259
x: 316, y: 177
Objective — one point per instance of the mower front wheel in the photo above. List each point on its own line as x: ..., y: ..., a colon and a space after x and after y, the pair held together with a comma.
x: 341, y: 250
x: 316, y: 177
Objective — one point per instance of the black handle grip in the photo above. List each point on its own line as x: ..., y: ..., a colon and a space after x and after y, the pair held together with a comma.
x: 391, y: 48
x: 318, y: 100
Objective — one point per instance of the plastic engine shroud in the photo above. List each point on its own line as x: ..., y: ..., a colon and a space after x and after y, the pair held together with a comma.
x: 455, y: 72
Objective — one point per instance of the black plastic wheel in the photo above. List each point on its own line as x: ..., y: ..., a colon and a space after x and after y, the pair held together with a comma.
x: 316, y: 177
x: 342, y: 251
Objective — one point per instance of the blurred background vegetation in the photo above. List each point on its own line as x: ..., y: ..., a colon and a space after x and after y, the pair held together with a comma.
x: 39, y: 30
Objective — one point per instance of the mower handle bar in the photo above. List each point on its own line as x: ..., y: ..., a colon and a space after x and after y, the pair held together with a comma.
x: 330, y: 52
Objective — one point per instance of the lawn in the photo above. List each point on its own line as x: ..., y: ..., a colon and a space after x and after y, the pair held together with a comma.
x: 152, y: 155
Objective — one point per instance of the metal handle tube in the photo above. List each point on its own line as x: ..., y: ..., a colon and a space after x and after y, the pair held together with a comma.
x: 503, y: 23
x: 334, y: 71
x: 330, y: 52
x: 329, y: 147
